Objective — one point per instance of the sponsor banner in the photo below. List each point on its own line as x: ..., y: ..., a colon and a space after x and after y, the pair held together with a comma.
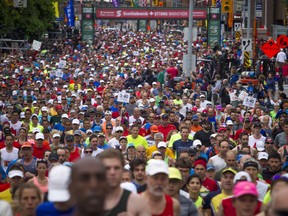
x: 127, y: 13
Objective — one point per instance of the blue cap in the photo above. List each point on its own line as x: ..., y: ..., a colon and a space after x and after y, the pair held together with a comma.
x: 97, y: 129
x: 195, y: 117
x: 130, y: 145
x: 210, y: 167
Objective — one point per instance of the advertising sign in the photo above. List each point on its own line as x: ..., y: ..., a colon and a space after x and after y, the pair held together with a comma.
x: 87, y: 24
x: 151, y: 13
x: 214, y: 32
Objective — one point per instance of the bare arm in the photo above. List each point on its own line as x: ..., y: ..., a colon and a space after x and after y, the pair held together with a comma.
x: 176, y: 207
x: 220, y: 210
x: 138, y: 206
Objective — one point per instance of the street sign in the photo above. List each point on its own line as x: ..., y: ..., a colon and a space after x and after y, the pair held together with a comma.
x: 237, y: 27
x: 238, y: 35
x: 246, y: 44
x: 282, y: 41
x: 258, y: 10
x: 247, y: 60
x: 270, y: 48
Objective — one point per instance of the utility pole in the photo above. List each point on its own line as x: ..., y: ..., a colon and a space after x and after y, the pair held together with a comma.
x: 248, y: 18
x: 188, y: 72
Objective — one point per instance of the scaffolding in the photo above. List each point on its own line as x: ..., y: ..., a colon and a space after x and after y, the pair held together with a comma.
x: 13, y: 45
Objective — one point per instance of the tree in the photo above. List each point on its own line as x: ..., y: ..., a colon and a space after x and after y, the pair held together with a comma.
x: 31, y: 22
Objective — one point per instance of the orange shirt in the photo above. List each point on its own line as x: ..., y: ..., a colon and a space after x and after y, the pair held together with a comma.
x: 196, y: 128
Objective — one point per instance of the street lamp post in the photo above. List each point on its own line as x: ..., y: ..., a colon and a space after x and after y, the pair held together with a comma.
x: 191, y: 4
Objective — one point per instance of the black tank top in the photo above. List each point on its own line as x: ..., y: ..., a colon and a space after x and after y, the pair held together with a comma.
x: 121, y: 206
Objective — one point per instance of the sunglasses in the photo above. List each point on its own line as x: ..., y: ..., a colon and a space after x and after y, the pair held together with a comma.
x: 87, y: 152
x: 108, y: 128
x: 270, y: 143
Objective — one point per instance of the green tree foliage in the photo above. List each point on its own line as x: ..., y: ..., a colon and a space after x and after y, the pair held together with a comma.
x: 32, y: 21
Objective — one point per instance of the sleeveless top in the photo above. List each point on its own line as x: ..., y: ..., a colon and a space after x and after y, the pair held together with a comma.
x: 7, y: 157
x: 42, y: 188
x: 168, y: 211
x: 229, y: 209
x: 31, y: 167
x: 121, y: 206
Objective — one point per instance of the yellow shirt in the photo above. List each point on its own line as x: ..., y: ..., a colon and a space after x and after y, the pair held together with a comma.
x: 6, y: 195
x: 217, y: 200
x: 199, y: 202
x: 53, y: 112
x: 138, y: 141
x: 153, y: 148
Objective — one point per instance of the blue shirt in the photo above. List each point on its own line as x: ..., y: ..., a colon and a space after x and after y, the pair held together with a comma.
x: 48, y: 209
x: 179, y: 145
x: 59, y: 127
x: 105, y: 146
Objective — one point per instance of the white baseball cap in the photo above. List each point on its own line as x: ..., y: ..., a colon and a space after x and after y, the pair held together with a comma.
x: 162, y: 144
x: 44, y: 109
x: 14, y: 173
x: 196, y: 143
x: 240, y: 175
x: 119, y: 128
x: 35, y: 130
x: 76, y: 121
x: 129, y: 186
x: 260, y: 146
x: 156, y: 166
x: 64, y: 116
x: 56, y: 135
x: 39, y: 136
x: 229, y: 122
x: 59, y: 179
x: 263, y: 155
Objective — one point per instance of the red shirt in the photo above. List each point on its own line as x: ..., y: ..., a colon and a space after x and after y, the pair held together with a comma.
x: 229, y: 209
x: 74, y: 155
x: 39, y: 152
x: 14, y: 144
x: 238, y: 133
x: 166, y: 130
x: 168, y: 207
x: 173, y: 72
x: 210, y: 184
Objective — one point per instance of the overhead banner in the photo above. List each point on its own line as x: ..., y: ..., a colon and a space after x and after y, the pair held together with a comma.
x: 69, y: 13
x: 151, y: 13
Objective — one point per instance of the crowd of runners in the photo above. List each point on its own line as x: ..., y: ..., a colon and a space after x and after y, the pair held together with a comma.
x: 115, y: 129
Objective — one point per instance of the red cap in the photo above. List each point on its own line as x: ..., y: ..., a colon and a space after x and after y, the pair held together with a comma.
x: 58, y: 107
x: 194, y: 109
x: 221, y: 129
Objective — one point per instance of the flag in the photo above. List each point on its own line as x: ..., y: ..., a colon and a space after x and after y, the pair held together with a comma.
x: 56, y: 9
x: 69, y: 13
x: 115, y: 3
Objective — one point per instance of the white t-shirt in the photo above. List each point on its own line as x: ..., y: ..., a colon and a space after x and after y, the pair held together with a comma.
x: 7, y: 157
x: 218, y: 162
x: 262, y: 189
x: 16, y: 126
x: 95, y: 152
x: 113, y: 142
x: 253, y: 140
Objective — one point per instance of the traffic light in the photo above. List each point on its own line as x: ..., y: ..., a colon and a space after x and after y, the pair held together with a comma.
x: 227, y: 6
x: 155, y: 3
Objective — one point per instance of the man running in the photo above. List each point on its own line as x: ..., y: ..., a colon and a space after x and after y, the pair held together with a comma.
x: 119, y: 200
